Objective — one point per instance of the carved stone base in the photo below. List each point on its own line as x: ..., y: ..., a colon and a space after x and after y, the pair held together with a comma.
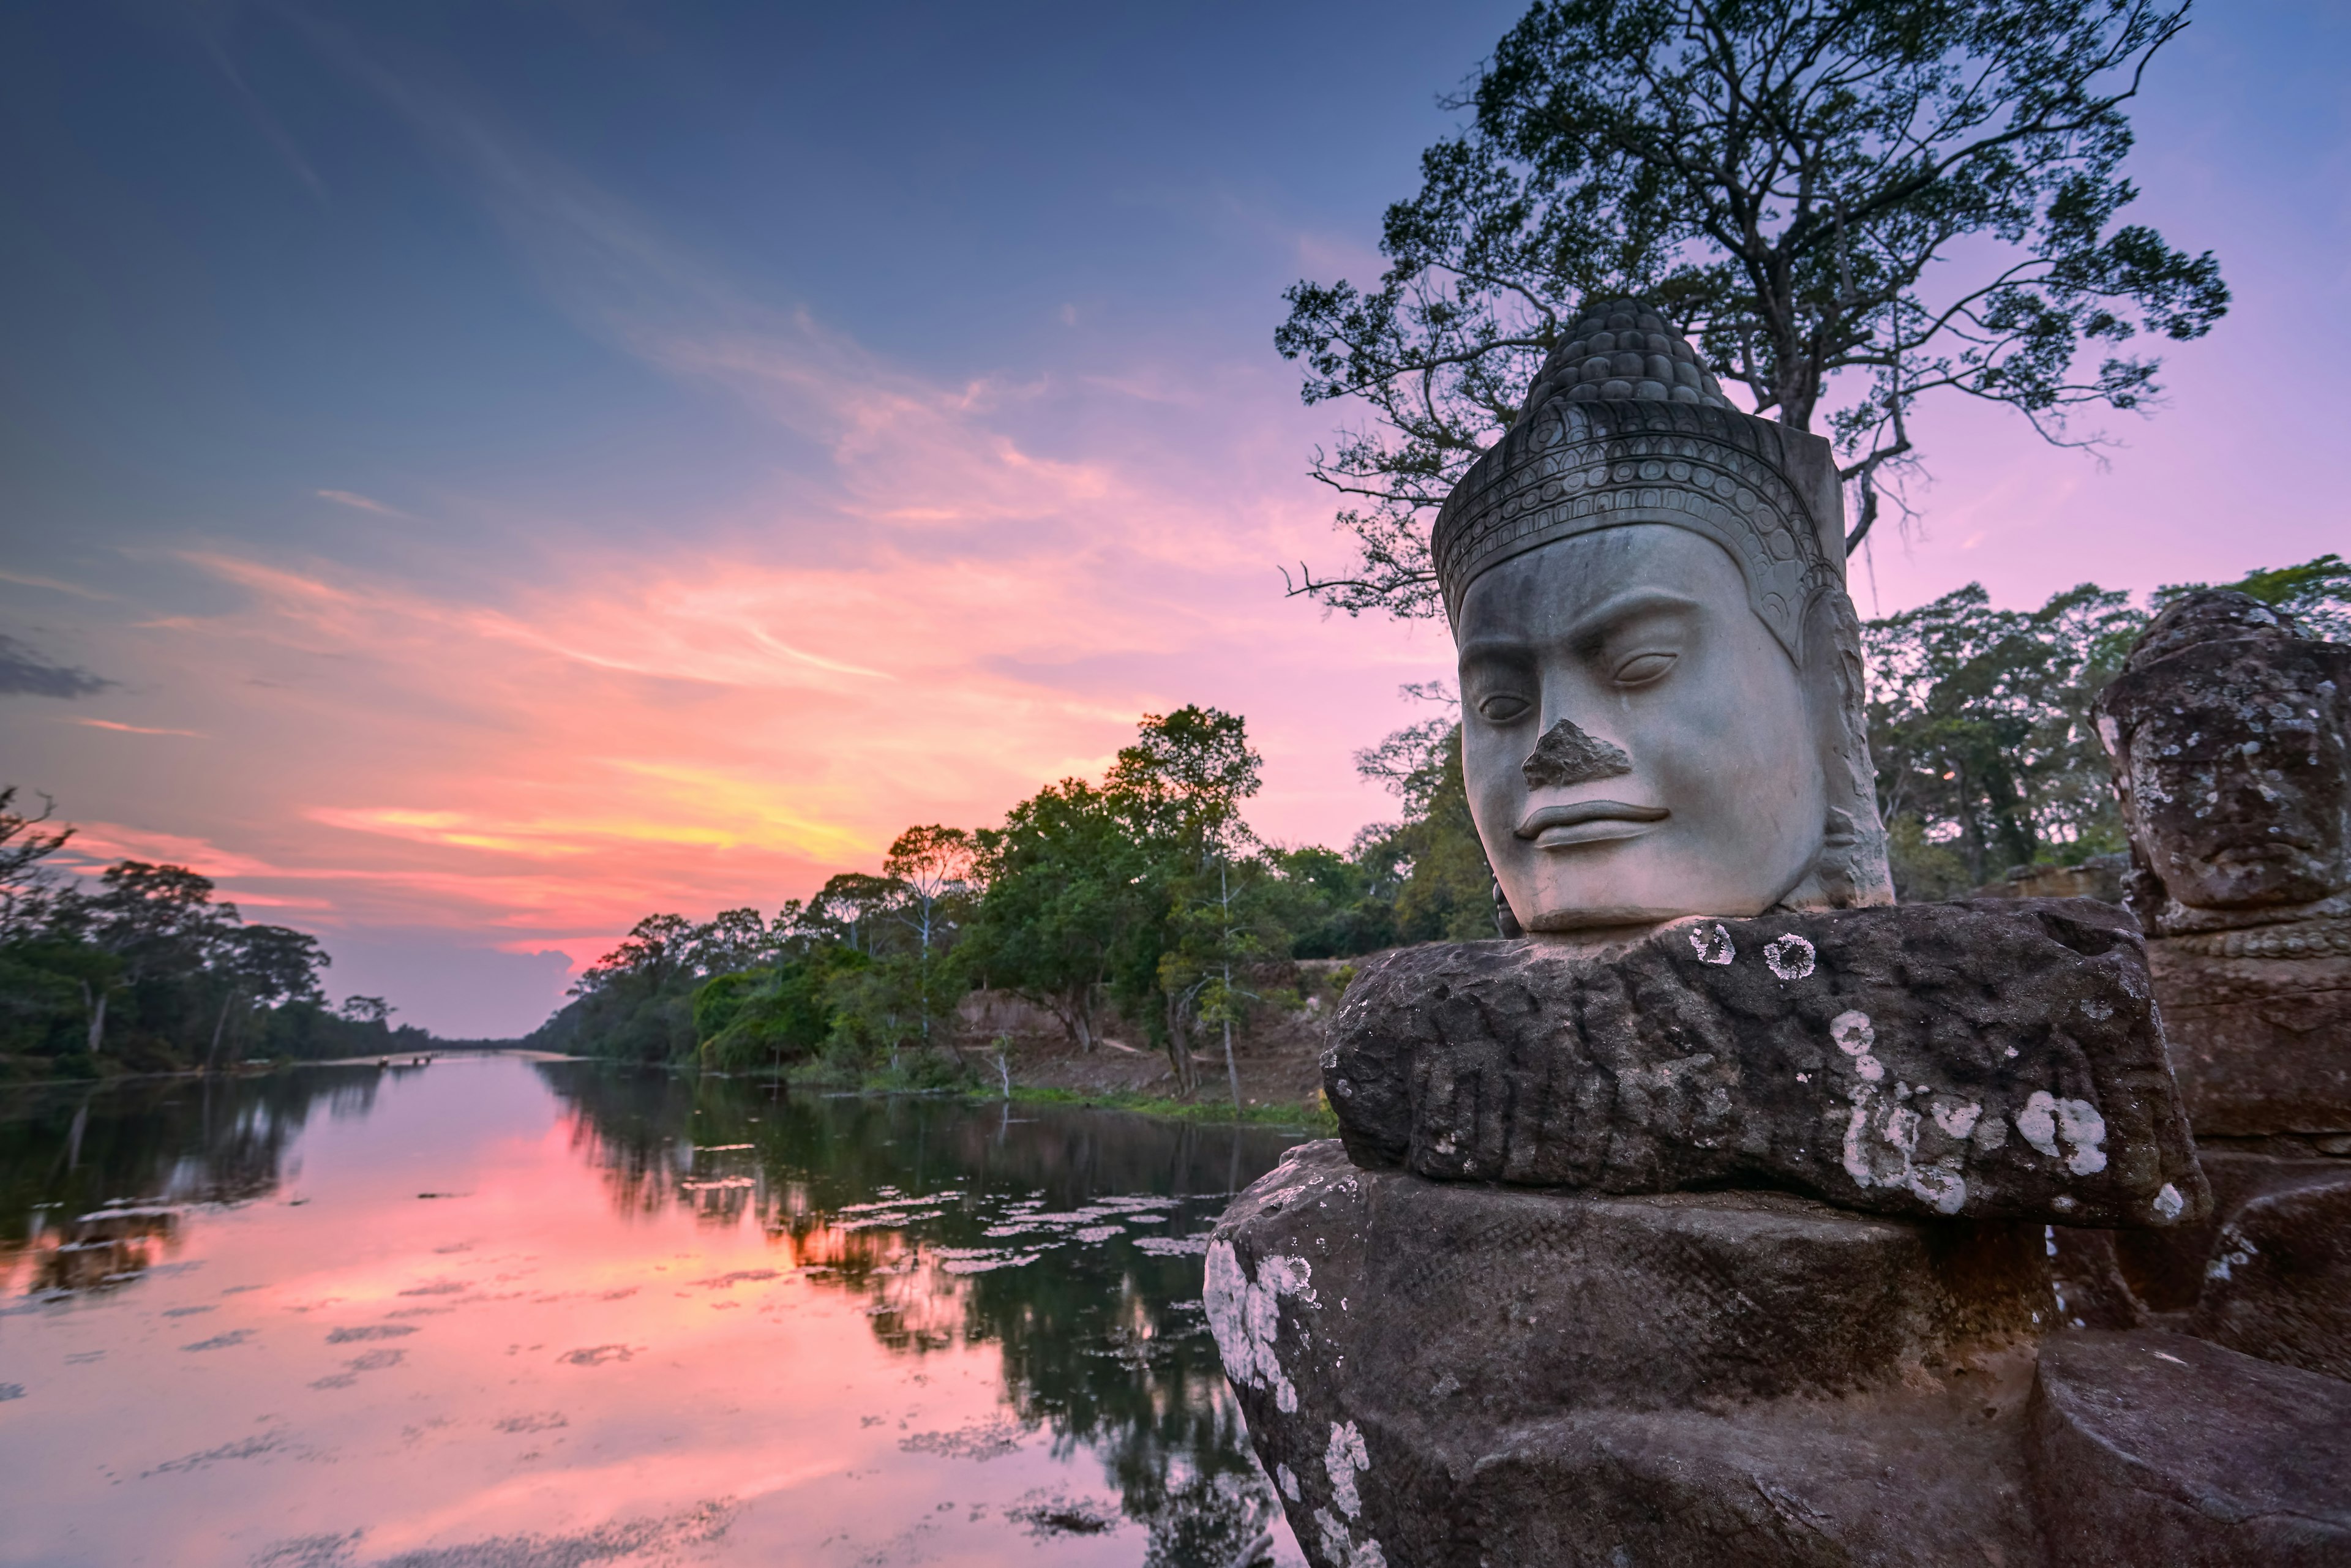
x: 2260, y: 1046
x: 2166, y: 1267
x: 1439, y: 1373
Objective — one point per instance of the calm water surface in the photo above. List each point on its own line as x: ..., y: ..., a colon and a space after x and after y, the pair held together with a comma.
x: 501, y: 1311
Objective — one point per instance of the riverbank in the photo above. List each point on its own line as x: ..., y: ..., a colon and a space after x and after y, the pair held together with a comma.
x: 1278, y: 1075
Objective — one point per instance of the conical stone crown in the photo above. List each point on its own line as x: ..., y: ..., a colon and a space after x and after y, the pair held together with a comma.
x: 1620, y: 350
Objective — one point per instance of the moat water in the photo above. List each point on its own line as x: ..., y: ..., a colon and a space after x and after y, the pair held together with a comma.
x: 498, y: 1312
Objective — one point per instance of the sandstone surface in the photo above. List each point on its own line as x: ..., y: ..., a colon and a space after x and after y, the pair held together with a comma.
x: 2155, y: 1447
x: 2261, y: 1045
x: 1437, y: 1372
x: 1996, y: 1058
x: 2278, y: 1284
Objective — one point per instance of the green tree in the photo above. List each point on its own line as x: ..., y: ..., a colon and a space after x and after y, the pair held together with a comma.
x: 934, y: 866
x: 1443, y: 888
x: 1333, y: 905
x: 1181, y: 786
x: 272, y: 965
x: 1067, y: 906
x: 1226, y: 918
x: 1078, y: 883
x: 1980, y: 729
x: 2316, y: 593
x: 734, y: 939
x: 1981, y: 732
x: 1919, y: 195
x: 772, y: 1018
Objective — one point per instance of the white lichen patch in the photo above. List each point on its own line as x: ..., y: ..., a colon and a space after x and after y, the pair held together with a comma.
x: 2168, y: 1203
x: 1957, y: 1118
x: 1287, y: 1478
x: 1852, y: 1033
x: 1790, y: 958
x: 1341, y: 1459
x: 1245, y: 1315
x: 2235, y: 1251
x: 2048, y: 1121
x: 1339, y: 1546
x: 1881, y: 1150
x: 1712, y: 945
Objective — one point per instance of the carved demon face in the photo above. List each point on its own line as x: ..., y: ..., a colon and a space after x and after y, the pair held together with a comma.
x: 2231, y: 762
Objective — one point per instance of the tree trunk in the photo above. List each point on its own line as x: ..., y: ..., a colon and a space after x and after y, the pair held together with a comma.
x: 220, y: 1027
x: 1179, y: 1050
x: 97, y: 1017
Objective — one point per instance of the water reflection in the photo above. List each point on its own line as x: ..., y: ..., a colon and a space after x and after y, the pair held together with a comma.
x: 1071, y: 1239
x: 97, y: 1178
x: 612, y: 1310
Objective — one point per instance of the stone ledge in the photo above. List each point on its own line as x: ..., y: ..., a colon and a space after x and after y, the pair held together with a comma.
x: 2155, y: 1448
x: 1996, y: 1058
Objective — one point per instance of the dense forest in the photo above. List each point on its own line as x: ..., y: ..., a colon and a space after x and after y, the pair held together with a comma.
x: 148, y: 972
x: 1144, y: 905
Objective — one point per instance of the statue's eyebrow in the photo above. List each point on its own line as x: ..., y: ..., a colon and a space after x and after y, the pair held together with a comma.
x: 1587, y: 627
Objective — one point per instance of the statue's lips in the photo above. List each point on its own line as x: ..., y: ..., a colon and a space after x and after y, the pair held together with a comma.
x: 1588, y: 822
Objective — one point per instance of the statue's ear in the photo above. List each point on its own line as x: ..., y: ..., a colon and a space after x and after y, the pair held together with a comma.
x: 1505, y: 923
x: 1848, y: 872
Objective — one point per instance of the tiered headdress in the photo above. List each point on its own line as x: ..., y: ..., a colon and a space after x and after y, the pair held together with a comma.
x: 1623, y: 425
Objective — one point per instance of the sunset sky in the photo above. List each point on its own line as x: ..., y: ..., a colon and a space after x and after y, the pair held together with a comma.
x: 516, y: 466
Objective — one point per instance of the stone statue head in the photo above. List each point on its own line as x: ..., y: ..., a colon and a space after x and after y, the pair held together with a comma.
x: 2227, y: 732
x: 1661, y: 675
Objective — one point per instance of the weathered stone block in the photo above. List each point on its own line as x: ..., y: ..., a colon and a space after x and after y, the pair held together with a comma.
x: 2279, y: 1282
x: 1377, y: 1322
x: 2260, y: 1045
x: 2158, y: 1448
x: 1917, y: 1476
x: 1995, y: 1058
x: 2166, y: 1268
x: 2086, y: 1275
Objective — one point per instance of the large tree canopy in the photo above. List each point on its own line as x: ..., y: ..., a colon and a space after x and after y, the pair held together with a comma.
x: 1780, y: 175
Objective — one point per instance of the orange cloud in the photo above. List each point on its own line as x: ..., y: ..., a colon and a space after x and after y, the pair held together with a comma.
x: 133, y: 728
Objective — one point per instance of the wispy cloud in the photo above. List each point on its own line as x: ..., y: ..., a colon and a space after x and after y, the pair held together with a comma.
x: 358, y: 502
x: 135, y: 728
x: 975, y: 589
x: 53, y: 585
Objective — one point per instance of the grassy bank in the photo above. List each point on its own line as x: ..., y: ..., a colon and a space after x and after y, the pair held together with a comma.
x: 1315, y: 1117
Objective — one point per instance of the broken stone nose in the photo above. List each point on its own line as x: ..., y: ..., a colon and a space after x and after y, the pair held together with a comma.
x: 1567, y: 755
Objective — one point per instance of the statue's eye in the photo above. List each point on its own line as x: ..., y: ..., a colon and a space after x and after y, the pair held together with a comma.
x: 1503, y: 707
x: 1642, y: 668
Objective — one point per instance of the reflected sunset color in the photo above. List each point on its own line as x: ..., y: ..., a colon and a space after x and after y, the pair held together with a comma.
x: 500, y: 1311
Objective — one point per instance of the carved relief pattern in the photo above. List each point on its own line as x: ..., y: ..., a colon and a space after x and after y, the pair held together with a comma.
x: 1576, y: 468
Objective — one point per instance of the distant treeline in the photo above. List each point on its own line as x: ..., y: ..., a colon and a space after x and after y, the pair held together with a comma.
x: 151, y: 973
x: 1143, y: 905
x: 1980, y: 723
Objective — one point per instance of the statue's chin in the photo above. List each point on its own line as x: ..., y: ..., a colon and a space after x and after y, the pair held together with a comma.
x: 2252, y: 881
x: 1610, y: 924
x: 1555, y: 915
